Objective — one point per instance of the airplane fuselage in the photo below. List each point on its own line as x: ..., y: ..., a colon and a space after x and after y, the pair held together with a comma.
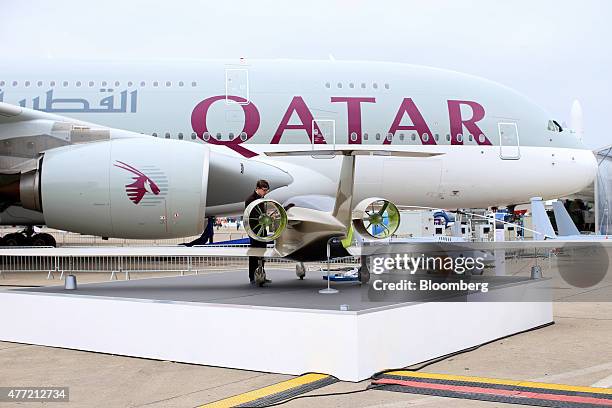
x: 499, y: 147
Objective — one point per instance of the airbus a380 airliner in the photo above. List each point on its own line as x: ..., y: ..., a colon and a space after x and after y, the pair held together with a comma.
x: 76, y: 145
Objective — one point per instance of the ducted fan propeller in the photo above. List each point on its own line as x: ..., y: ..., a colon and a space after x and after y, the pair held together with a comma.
x: 376, y: 217
x: 265, y: 220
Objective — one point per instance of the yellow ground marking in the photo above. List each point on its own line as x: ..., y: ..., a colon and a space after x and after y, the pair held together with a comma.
x: 266, y: 391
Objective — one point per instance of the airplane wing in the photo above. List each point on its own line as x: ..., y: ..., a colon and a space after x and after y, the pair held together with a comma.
x: 25, y: 133
x: 383, y: 151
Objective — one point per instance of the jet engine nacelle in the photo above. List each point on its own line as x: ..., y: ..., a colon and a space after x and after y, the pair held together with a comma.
x: 126, y: 188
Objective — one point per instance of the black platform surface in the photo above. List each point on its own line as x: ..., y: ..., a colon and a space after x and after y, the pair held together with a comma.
x: 232, y: 288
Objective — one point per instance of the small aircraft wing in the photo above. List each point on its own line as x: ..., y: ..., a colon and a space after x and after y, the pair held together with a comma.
x: 354, y: 152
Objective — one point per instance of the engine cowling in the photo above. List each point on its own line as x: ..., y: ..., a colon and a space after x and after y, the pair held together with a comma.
x: 265, y: 220
x: 125, y: 188
x: 376, y: 217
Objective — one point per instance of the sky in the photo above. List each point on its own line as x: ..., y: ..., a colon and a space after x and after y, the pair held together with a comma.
x: 552, y: 51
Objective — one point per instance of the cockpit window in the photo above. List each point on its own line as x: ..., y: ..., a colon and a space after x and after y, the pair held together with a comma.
x: 554, y: 126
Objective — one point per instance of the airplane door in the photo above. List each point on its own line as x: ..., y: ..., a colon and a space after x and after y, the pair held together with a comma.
x: 323, y: 129
x: 237, y: 84
x: 508, y: 141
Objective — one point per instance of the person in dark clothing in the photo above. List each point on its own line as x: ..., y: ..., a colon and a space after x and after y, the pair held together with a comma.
x: 261, y: 189
x: 207, y: 235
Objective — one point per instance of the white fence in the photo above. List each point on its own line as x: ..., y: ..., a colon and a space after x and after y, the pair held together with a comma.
x: 141, y: 259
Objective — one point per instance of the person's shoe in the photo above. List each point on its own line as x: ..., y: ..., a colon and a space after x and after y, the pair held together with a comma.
x: 253, y: 283
x: 267, y: 281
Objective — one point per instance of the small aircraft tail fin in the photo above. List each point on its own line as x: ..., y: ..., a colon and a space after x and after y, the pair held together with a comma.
x: 541, y: 223
x: 565, y: 225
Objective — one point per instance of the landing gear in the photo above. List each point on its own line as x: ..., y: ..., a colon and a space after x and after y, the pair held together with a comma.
x: 14, y: 239
x: 363, y: 274
x: 28, y: 237
x: 300, y: 270
x: 43, y: 240
x: 260, y: 276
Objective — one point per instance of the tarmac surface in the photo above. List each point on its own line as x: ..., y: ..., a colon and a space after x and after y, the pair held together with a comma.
x: 576, y: 350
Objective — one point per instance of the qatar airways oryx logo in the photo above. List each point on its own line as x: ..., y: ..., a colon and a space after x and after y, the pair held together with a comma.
x: 143, y: 188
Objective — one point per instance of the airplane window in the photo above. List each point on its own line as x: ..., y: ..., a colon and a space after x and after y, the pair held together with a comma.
x: 65, y: 83
x: 413, y: 137
x: 471, y: 137
x: 425, y: 137
x: 327, y: 85
x: 142, y: 83
x: 154, y: 134
x: 78, y: 83
x: 91, y: 83
x: 130, y: 83
x: 167, y: 135
x: 193, y: 135
x: 401, y: 136
x: 353, y: 136
x: 168, y: 83
x: 351, y: 85
x: 39, y: 83
x: 481, y: 138
x: 117, y: 83
x: 459, y: 137
x: 52, y: 83
x: 378, y: 136
x: 15, y: 83
x: 180, y: 136
x: 339, y: 84
x: 2, y: 83
x: 218, y: 136
x: 243, y: 136
x: 386, y: 86
x: 363, y: 85
x: 231, y: 136
x: 437, y: 137
x: 559, y: 128
x: 104, y: 83
x: 155, y: 83
x: 375, y: 85
x: 448, y: 138
x: 365, y: 136
x: 194, y: 84
x: 389, y: 136
x: 206, y: 136
x: 27, y: 83
x: 181, y: 83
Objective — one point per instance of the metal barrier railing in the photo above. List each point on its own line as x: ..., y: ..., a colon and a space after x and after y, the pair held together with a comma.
x: 66, y: 261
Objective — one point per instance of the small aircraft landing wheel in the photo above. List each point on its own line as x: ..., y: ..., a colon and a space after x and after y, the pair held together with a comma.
x: 363, y: 274
x: 42, y: 240
x: 478, y: 271
x: 260, y: 276
x: 300, y: 270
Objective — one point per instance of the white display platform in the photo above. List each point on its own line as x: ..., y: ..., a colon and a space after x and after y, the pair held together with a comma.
x: 218, y: 320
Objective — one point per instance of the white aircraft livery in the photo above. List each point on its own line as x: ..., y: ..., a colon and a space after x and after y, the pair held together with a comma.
x: 147, y: 149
